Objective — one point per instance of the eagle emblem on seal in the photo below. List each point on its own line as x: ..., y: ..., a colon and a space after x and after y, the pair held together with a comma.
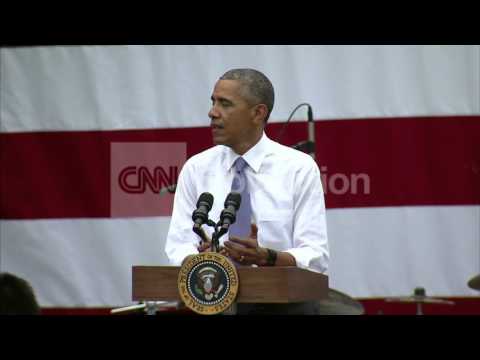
x: 208, y: 283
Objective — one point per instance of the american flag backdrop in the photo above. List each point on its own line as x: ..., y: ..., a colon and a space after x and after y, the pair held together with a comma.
x: 397, y: 141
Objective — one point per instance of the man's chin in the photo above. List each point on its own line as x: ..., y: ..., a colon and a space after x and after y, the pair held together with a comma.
x: 218, y: 140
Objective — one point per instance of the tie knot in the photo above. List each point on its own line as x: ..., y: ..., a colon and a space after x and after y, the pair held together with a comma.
x: 240, y: 164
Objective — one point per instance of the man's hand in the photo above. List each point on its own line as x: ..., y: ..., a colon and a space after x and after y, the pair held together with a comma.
x: 205, y: 245
x: 246, y: 251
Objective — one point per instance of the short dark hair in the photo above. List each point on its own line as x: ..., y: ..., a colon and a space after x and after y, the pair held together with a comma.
x: 17, y: 296
x: 259, y: 89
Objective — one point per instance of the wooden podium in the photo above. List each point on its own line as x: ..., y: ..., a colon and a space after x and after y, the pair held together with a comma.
x: 256, y: 284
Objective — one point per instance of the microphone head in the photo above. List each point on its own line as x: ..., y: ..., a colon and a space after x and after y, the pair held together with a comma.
x: 310, y: 113
x: 205, y: 199
x: 234, y: 199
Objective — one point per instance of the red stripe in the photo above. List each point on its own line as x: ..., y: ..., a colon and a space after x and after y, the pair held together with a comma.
x: 412, y: 161
x: 462, y: 306
x: 409, y: 161
x: 372, y: 306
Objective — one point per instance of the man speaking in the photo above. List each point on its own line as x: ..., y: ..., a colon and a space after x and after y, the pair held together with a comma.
x: 281, y: 218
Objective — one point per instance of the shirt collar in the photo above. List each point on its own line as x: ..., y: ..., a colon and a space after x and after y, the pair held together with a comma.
x: 254, y: 157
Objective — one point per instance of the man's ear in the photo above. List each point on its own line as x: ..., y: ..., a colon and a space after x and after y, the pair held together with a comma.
x: 260, y: 114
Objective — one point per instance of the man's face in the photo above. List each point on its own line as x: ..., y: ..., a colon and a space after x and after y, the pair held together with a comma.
x: 233, y: 119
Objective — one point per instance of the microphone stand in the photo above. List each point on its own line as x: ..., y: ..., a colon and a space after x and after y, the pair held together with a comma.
x: 218, y: 232
x: 197, y: 229
x: 215, y: 237
x: 311, y: 132
x: 305, y: 146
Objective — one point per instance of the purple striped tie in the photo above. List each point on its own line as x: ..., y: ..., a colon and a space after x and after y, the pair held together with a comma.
x: 241, y: 227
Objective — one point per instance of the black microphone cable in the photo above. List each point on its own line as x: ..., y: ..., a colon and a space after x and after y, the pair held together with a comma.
x: 307, y: 146
x: 284, y: 127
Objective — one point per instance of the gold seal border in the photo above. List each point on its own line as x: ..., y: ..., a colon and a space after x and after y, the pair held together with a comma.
x: 188, y: 299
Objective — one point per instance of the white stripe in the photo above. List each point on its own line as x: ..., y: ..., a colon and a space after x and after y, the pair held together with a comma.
x: 374, y: 252
x: 132, y: 87
x: 82, y: 262
x: 390, y: 251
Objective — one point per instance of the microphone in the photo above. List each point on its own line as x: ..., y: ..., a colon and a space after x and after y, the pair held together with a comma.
x: 228, y: 215
x: 307, y: 146
x: 311, y: 133
x: 204, y: 204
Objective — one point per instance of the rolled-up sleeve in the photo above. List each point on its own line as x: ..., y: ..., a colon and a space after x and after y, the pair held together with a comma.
x: 310, y: 240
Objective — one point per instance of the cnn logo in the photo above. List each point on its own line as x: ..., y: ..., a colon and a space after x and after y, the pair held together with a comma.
x: 143, y: 178
x: 138, y: 180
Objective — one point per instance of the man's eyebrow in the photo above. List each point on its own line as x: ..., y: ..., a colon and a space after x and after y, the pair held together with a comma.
x: 220, y: 99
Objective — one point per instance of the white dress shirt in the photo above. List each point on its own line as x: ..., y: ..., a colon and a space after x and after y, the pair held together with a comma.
x: 286, y: 197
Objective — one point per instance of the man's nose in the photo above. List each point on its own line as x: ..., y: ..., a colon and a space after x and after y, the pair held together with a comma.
x: 213, y: 113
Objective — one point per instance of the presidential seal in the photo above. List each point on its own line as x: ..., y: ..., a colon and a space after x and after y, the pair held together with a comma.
x: 208, y: 283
